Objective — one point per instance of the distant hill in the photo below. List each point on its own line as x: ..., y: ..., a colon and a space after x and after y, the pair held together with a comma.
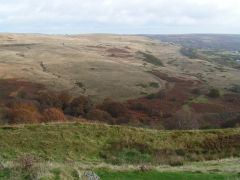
x: 203, y: 41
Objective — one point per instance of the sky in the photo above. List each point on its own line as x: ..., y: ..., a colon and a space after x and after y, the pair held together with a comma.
x: 120, y: 16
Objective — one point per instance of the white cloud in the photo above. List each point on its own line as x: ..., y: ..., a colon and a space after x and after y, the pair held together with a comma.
x: 67, y: 16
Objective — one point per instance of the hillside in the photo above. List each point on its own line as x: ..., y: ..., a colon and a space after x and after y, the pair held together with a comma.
x: 203, y: 41
x: 114, y: 79
x: 90, y: 145
x: 102, y: 65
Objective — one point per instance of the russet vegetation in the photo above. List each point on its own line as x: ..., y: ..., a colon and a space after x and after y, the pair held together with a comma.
x: 181, y: 105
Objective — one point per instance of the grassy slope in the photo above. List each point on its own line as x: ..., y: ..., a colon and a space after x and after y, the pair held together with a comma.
x: 96, y: 142
x: 88, y: 59
x: 155, y: 175
x: 63, y: 148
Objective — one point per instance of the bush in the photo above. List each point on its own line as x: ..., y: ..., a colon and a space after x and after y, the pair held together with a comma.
x: 152, y: 96
x: 23, y: 112
x: 214, y: 93
x: 48, y: 100
x: 154, y: 84
x: 184, y: 119
x: 116, y: 109
x: 65, y: 100
x: 80, y: 106
x: 189, y: 52
x: 27, y: 167
x: 53, y: 115
x: 233, y: 123
x: 151, y: 59
x: 196, y: 91
x: 100, y: 115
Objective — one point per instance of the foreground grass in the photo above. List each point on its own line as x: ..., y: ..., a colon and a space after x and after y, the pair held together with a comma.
x: 155, y: 175
x: 116, y: 144
x: 227, y: 169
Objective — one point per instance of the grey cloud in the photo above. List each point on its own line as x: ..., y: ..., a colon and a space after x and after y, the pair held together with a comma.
x: 119, y: 16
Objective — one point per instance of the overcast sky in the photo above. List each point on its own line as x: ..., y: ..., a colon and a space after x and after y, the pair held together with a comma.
x: 120, y: 16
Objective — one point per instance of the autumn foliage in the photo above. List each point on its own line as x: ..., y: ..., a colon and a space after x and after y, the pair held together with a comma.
x: 100, y: 115
x: 116, y: 109
x: 23, y: 102
x: 80, y: 106
x: 49, y: 99
x: 53, y: 115
x: 23, y: 113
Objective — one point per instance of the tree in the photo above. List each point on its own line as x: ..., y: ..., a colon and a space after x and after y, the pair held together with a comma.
x: 80, y: 106
x: 23, y: 113
x: 100, y: 115
x: 116, y: 109
x: 53, y: 115
x: 48, y: 100
x: 65, y: 100
x: 184, y: 119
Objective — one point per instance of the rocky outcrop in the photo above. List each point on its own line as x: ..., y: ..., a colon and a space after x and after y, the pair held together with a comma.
x: 90, y: 175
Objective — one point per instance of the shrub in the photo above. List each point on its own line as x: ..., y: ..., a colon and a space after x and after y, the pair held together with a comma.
x: 80, y: 106
x: 100, y: 115
x: 116, y: 109
x: 235, y: 89
x: 184, y: 119
x: 189, y: 52
x: 48, y: 100
x: 151, y: 59
x: 233, y: 123
x: 196, y: 91
x: 23, y: 112
x: 214, y: 93
x: 138, y: 106
x: 152, y: 96
x: 65, y: 100
x: 26, y: 167
x: 154, y: 84
x: 53, y: 115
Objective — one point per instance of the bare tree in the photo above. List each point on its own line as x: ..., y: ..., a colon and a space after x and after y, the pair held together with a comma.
x: 186, y: 119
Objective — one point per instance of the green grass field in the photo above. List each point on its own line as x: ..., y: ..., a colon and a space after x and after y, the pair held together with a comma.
x: 155, y: 175
x: 98, y: 142
x: 64, y: 147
